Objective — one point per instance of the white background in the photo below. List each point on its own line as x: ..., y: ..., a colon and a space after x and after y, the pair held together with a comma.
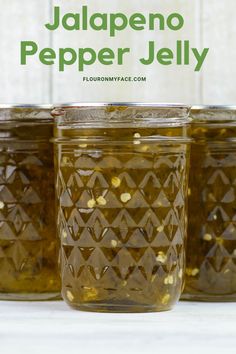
x: 208, y: 23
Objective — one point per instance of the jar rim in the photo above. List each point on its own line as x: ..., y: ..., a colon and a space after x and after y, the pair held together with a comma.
x: 25, y: 106
x: 120, y: 104
x: 115, y: 115
x: 215, y: 114
x: 216, y: 108
x: 25, y: 113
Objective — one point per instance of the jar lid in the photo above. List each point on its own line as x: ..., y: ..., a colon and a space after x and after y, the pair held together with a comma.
x: 120, y: 114
x: 25, y: 112
x: 217, y: 113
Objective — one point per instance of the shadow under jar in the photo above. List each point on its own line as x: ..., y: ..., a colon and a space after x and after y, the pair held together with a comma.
x: 211, y: 245
x: 121, y: 193
x: 28, y: 242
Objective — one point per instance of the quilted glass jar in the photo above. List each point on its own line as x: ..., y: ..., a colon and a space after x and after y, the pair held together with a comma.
x: 121, y: 193
x: 211, y: 247
x: 28, y: 242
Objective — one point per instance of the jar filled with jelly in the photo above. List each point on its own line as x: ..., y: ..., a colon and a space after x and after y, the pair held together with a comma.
x: 28, y: 242
x: 211, y: 247
x: 121, y: 184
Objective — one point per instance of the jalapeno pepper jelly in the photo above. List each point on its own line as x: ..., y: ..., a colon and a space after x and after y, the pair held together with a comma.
x: 121, y: 190
x: 28, y: 244
x: 211, y: 246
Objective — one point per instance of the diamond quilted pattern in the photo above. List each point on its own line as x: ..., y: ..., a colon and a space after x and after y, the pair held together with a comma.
x: 212, y: 230
x: 28, y: 249
x: 121, y: 224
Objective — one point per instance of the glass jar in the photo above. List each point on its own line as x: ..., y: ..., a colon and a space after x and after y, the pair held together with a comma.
x: 121, y: 193
x: 28, y: 244
x: 211, y: 248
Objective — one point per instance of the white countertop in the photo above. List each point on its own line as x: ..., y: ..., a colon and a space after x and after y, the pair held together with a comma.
x: 52, y: 327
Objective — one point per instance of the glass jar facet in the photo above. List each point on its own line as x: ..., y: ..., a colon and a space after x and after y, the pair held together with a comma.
x: 121, y: 188
x: 28, y: 243
x: 211, y: 245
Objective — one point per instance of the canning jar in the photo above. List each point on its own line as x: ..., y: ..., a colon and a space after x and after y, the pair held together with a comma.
x: 121, y: 196
x: 28, y: 242
x: 211, y: 247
